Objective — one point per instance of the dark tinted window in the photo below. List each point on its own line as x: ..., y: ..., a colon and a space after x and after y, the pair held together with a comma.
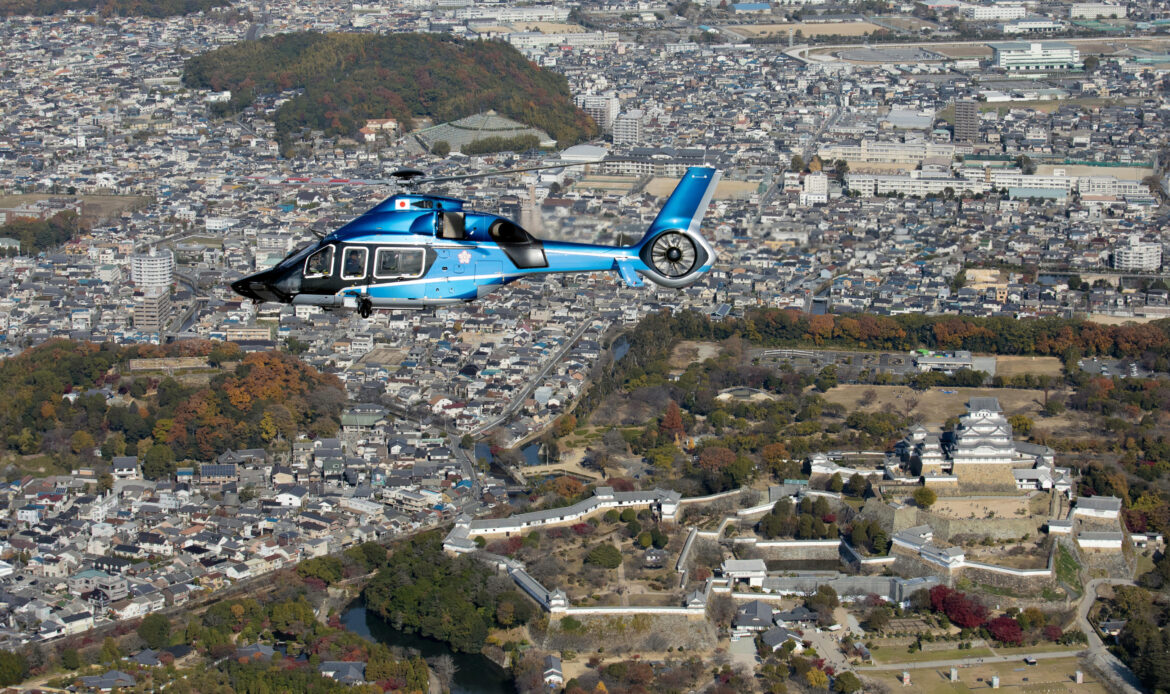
x: 320, y: 264
x: 398, y: 262
x: 504, y: 231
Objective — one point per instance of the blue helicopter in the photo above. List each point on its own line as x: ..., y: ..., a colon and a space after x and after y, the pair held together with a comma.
x: 415, y: 251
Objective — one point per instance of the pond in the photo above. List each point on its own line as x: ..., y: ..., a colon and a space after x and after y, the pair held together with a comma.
x: 474, y: 674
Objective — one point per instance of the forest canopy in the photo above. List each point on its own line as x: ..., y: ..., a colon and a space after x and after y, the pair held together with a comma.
x: 109, y: 8
x: 348, y: 79
x: 66, y: 398
x: 36, y: 235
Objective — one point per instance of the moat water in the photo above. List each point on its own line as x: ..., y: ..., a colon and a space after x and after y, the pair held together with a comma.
x: 474, y: 673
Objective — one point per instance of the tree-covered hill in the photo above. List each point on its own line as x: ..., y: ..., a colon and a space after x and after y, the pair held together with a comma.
x: 108, y: 8
x: 64, y: 399
x: 349, y: 78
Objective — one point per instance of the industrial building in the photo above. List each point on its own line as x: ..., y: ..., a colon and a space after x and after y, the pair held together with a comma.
x: 1036, y: 55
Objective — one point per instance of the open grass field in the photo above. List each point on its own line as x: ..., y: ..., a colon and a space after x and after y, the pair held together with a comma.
x: 909, y: 23
x: 1049, y: 106
x: 939, y: 404
x: 727, y: 189
x: 1037, y: 366
x: 979, y: 507
x: 617, y: 184
x: 95, y: 208
x: 1055, y: 675
x: 689, y: 352
x: 752, y: 31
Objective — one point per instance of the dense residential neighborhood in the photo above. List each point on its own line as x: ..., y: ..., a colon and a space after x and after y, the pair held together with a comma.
x: 759, y: 482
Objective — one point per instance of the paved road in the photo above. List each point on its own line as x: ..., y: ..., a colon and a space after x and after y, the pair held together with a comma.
x: 828, y: 648
x: 536, y: 380
x: 964, y: 662
x: 1097, y: 654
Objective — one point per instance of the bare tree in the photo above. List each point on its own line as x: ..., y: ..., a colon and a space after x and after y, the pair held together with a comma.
x: 721, y: 609
x: 444, y: 668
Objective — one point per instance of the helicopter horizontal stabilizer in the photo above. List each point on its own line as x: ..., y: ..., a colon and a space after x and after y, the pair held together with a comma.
x: 625, y: 268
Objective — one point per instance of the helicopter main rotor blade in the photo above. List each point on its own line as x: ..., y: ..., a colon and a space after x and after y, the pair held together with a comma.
x: 505, y: 172
x: 409, y: 181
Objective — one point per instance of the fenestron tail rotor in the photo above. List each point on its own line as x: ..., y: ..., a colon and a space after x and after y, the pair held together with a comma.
x: 673, y: 254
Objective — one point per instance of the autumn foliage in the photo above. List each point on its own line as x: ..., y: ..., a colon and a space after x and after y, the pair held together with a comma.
x: 1006, y: 630
x: 53, y: 403
x: 716, y: 458
x: 345, y: 79
x: 958, y: 607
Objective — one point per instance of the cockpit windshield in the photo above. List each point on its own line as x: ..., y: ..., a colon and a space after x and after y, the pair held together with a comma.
x: 297, y: 255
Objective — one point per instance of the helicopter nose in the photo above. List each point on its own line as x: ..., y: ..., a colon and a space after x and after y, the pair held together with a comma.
x: 256, y: 287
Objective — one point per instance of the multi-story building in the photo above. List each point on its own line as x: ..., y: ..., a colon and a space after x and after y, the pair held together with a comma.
x: 154, y: 268
x: 627, y: 128
x: 993, y: 13
x: 1095, y: 10
x: 884, y: 152
x: 966, y: 120
x: 152, y: 313
x: 983, y: 449
x: 1036, y: 55
x: 509, y: 15
x: 602, y: 108
x: 816, y: 189
x: 912, y: 185
x: 1032, y: 25
x: 1138, y: 257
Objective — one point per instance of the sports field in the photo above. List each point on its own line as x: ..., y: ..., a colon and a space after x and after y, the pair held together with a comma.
x: 727, y: 190
x: 1037, y: 366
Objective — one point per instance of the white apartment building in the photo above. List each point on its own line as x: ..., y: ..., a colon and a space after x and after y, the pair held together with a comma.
x: 1137, y: 257
x: 993, y: 13
x: 602, y: 108
x: 1095, y: 10
x: 152, y: 269
x: 816, y: 190
x: 527, y: 40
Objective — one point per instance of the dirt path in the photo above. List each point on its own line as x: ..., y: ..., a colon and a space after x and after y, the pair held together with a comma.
x: 621, y: 573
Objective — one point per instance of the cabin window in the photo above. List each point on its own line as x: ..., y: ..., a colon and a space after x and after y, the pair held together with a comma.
x: 320, y: 264
x: 391, y: 263
x: 353, y: 263
x: 506, y: 231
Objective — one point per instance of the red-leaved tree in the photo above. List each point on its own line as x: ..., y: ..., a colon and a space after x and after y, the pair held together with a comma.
x: 1006, y: 630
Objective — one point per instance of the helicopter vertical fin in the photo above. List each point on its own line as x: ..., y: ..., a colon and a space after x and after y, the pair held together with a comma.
x: 686, y: 206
